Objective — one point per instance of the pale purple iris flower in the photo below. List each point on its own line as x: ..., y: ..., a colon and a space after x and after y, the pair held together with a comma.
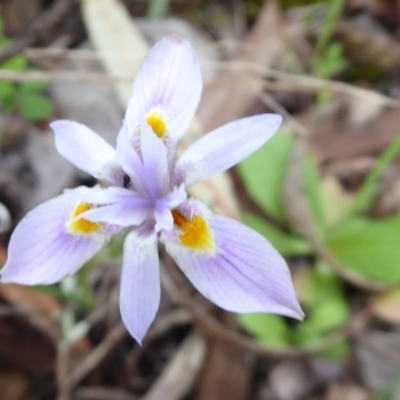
x: 143, y: 191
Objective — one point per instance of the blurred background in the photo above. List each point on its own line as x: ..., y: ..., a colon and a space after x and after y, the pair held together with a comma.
x: 325, y: 191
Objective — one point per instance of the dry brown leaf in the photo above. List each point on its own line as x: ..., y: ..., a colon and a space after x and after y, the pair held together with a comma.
x: 14, y: 386
x: 386, y: 306
x: 40, y: 307
x: 347, y: 392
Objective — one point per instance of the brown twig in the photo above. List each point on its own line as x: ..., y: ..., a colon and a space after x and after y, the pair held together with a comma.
x: 62, y: 373
x: 179, y: 375
x: 290, y: 121
x: 45, y: 22
x: 386, y: 354
x: 251, y: 71
x: 217, y: 331
x: 162, y: 324
x: 103, y: 393
x: 94, y: 358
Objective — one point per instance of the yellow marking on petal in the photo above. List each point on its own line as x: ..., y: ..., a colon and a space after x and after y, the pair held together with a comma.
x: 82, y: 226
x: 196, y: 233
x: 157, y: 123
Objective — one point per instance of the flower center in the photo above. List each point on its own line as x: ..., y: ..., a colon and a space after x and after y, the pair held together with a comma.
x: 82, y: 226
x: 196, y: 233
x: 157, y: 122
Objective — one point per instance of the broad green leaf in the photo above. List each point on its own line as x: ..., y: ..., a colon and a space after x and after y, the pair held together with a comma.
x: 4, y: 42
x: 366, y: 194
x: 34, y: 86
x: 340, y: 351
x: 16, y: 63
x: 326, y: 316
x: 263, y: 173
x: 314, y: 286
x: 35, y: 107
x: 369, y: 247
x: 336, y: 202
x: 312, y: 189
x: 9, y: 103
x: 270, y: 330
x: 7, y: 89
x: 287, y: 244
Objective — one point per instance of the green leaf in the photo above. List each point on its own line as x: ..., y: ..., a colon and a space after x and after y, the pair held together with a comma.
x: 269, y: 330
x: 59, y: 294
x: 369, y: 247
x: 312, y: 189
x: 4, y: 42
x: 390, y: 391
x: 16, y: 63
x: 287, y: 244
x: 157, y: 9
x: 334, y: 11
x: 84, y: 288
x: 34, y: 86
x: 9, y: 103
x: 314, y: 286
x: 2, y: 25
x: 263, y: 173
x: 337, y: 203
x: 326, y: 316
x: 35, y: 107
x: 7, y: 89
x: 340, y: 351
x: 331, y: 61
x: 366, y: 194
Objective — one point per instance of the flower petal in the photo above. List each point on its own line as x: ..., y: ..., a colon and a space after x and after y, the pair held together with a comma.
x: 99, y: 195
x: 156, y: 173
x: 86, y: 150
x: 230, y: 264
x: 140, y: 282
x: 167, y: 89
x: 224, y: 147
x: 129, y: 160
x: 163, y: 217
x: 124, y: 214
x: 41, y: 251
x: 117, y: 206
x: 162, y: 211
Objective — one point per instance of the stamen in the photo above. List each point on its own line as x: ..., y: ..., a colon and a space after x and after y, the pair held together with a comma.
x: 196, y: 233
x: 82, y: 226
x: 157, y: 122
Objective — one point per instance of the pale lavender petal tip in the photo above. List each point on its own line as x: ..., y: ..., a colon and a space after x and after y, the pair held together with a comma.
x: 168, y: 81
x: 85, y: 149
x: 244, y: 274
x: 140, y: 283
x: 225, y: 147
